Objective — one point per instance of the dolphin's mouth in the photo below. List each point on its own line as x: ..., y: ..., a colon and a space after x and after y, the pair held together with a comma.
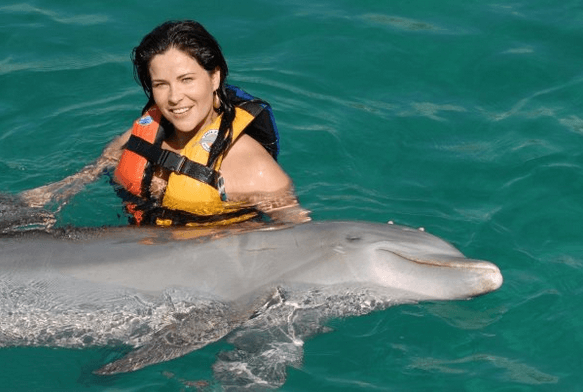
x: 491, y: 277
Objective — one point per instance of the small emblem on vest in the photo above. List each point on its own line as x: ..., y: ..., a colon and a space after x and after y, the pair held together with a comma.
x: 208, y: 139
x: 145, y: 120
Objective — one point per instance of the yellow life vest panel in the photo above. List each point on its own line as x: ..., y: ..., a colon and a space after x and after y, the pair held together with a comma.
x: 185, y: 193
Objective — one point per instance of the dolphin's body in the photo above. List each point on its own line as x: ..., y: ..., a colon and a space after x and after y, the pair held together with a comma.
x: 143, y: 287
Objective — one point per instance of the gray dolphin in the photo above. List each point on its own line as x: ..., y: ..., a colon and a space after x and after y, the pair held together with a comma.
x: 148, y: 288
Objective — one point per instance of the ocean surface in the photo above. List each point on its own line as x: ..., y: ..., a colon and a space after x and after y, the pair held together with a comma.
x: 460, y: 116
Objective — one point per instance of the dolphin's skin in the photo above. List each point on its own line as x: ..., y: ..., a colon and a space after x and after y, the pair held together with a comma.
x: 144, y: 287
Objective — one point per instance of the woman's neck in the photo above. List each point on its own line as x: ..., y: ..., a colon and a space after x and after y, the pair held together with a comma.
x: 178, y: 140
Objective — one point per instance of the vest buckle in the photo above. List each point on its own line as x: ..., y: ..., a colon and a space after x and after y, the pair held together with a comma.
x: 171, y: 161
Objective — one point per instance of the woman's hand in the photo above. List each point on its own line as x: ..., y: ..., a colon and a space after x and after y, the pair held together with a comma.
x: 39, y: 197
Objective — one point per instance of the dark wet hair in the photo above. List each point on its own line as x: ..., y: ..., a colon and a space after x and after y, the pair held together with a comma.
x: 192, y: 38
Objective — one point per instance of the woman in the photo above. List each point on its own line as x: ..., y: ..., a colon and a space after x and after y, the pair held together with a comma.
x: 202, y: 152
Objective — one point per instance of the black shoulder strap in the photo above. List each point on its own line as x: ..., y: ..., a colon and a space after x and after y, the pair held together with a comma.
x: 263, y: 127
x: 172, y: 161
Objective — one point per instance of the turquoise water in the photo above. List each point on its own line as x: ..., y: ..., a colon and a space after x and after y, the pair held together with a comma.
x: 459, y: 116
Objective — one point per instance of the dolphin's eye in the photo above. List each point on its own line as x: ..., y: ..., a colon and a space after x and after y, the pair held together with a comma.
x: 353, y: 238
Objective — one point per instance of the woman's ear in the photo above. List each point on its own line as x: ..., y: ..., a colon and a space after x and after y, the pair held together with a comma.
x: 216, y: 78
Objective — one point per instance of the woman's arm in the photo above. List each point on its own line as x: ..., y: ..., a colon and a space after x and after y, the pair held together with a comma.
x: 252, y: 176
x: 64, y: 189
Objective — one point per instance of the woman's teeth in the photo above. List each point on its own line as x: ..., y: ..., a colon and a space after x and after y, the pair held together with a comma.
x: 179, y: 111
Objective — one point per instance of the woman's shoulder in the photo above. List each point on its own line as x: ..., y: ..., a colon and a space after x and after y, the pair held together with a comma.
x: 249, y: 168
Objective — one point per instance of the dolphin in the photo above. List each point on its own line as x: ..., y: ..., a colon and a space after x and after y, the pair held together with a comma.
x: 167, y: 292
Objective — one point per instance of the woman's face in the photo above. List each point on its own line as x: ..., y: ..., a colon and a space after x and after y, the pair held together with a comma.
x: 183, y: 90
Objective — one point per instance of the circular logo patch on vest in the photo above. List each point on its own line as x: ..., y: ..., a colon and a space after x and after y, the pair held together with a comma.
x: 208, y: 139
x: 145, y: 120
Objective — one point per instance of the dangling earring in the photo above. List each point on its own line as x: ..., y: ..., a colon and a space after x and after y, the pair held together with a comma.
x: 216, y: 101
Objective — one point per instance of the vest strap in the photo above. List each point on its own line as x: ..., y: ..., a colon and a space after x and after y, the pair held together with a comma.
x: 172, y: 161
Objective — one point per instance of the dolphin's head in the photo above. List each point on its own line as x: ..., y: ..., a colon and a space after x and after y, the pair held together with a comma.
x: 419, y: 266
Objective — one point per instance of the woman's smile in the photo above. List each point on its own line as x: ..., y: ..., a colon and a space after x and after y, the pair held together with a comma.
x: 180, y: 111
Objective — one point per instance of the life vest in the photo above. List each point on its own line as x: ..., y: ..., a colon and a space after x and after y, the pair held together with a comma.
x: 194, y: 194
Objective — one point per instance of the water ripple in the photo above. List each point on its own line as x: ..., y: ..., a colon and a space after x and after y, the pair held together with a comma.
x: 81, y: 20
x: 61, y: 63
x: 401, y: 22
x: 516, y: 371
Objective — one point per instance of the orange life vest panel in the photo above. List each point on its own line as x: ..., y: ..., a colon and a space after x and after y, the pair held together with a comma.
x: 131, y: 171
